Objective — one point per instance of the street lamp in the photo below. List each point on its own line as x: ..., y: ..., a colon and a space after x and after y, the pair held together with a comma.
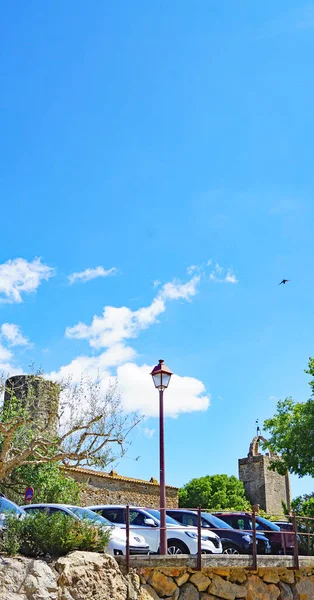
x: 161, y: 376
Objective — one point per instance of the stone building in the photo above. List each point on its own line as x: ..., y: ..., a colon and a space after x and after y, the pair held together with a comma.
x: 263, y: 486
x: 39, y: 396
x: 111, y: 488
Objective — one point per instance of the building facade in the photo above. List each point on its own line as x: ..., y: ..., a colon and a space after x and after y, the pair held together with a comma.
x: 111, y: 488
x: 263, y: 486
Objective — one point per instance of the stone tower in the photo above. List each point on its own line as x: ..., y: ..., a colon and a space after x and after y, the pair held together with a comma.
x: 40, y: 396
x: 262, y: 486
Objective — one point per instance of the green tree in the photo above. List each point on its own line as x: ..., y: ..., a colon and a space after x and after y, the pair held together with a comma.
x: 214, y: 492
x: 48, y: 480
x: 291, y: 432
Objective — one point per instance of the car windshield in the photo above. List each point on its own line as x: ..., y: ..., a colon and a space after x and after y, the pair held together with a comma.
x: 7, y: 506
x: 85, y: 513
x: 156, y: 515
x: 215, y: 522
x: 268, y: 524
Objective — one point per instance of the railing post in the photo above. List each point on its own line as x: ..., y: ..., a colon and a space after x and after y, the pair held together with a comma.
x: 254, y: 549
x: 199, y: 539
x: 283, y: 541
x: 296, y: 546
x: 127, y: 521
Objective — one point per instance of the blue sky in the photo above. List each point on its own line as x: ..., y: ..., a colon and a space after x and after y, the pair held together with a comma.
x: 147, y: 138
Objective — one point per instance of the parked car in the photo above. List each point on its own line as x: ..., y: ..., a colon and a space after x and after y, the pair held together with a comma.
x: 117, y: 543
x: 233, y: 541
x: 305, y: 542
x: 9, y: 507
x: 243, y: 520
x: 146, y: 522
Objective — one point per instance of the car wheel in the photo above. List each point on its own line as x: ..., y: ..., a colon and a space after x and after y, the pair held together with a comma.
x: 230, y: 549
x: 177, y: 547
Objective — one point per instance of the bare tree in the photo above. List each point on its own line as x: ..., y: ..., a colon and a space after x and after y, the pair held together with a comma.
x: 86, y: 426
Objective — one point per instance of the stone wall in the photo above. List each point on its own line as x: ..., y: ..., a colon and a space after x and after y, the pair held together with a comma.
x: 103, y: 488
x: 263, y: 486
x: 92, y: 576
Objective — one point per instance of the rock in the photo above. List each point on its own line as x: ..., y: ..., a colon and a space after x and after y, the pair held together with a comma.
x: 200, y: 581
x: 208, y: 597
x: 286, y: 592
x: 238, y: 576
x: 258, y: 590
x: 286, y: 576
x: 176, y: 594
x: 133, y: 582
x: 90, y: 576
x: 164, y: 585
x: 23, y: 578
x: 269, y: 575
x: 182, y: 579
x: 147, y: 593
x: 222, y: 572
x: 305, y: 589
x: 188, y: 592
x: 222, y: 588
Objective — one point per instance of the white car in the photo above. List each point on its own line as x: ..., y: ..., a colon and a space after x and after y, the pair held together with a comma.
x: 117, y: 542
x: 146, y: 522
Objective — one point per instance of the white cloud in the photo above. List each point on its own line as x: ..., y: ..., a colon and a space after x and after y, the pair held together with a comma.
x: 156, y: 283
x: 184, y: 395
x: 96, y: 366
x: 6, y: 362
x: 230, y: 277
x: 149, y: 433
x: 20, y: 276
x: 219, y: 275
x: 118, y: 324
x: 12, y: 333
x: 88, y: 274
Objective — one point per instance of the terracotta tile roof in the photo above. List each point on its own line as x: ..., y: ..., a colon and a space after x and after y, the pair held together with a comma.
x: 113, y: 475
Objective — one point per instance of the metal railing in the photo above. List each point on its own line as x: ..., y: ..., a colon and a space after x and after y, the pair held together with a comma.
x: 301, y: 533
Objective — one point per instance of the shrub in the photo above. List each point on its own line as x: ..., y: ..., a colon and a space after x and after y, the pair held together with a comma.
x: 51, y: 535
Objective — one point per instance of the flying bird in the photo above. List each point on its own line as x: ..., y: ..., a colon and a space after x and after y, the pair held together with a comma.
x: 284, y: 281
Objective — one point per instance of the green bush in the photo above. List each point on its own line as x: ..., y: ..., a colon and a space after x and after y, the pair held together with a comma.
x: 51, y: 535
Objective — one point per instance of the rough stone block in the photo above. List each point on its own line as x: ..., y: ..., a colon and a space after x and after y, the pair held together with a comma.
x: 164, y: 586
x: 188, y: 592
x: 258, y: 590
x: 286, y: 592
x: 182, y: 579
x: 305, y: 589
x: 200, y: 581
x: 147, y: 593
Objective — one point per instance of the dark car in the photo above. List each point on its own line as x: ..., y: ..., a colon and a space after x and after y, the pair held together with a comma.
x: 280, y: 542
x: 305, y: 542
x: 233, y: 541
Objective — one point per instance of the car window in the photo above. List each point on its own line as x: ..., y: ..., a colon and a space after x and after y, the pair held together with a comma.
x: 35, y: 509
x: 137, y: 518
x: 239, y: 523
x: 85, y: 513
x: 215, y: 521
x: 156, y: 514
x: 114, y: 515
x: 188, y: 519
x: 7, y: 506
x: 176, y: 516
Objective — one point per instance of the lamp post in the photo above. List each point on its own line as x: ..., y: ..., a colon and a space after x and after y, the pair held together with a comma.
x: 161, y: 376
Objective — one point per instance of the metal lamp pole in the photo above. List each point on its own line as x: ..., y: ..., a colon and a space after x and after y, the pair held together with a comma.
x: 161, y: 377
